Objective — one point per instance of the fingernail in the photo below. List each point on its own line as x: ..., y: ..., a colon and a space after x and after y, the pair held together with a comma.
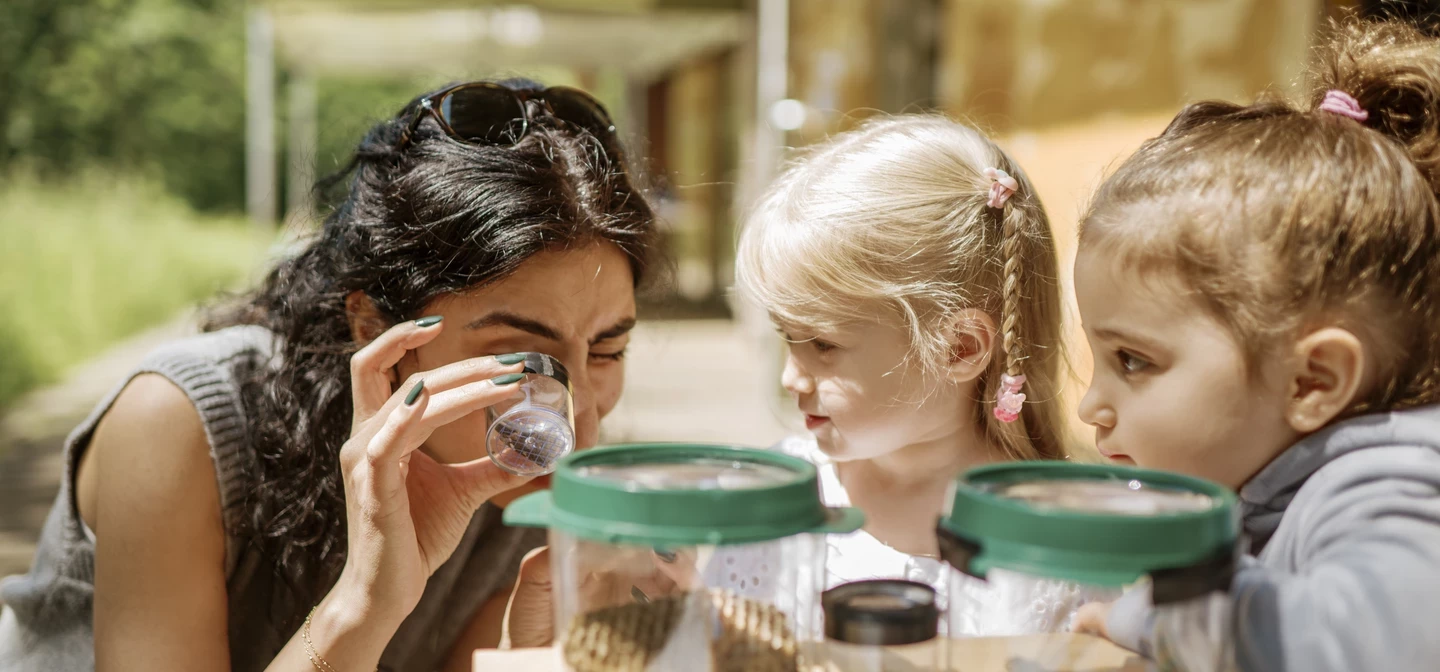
x: 510, y: 359
x: 507, y: 379
x: 667, y: 556
x: 414, y: 393
x: 639, y: 595
x: 428, y: 321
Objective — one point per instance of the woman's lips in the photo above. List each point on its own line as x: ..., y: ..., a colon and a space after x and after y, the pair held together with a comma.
x: 814, y: 421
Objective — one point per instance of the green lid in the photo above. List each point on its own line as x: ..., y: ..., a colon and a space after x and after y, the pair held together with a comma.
x: 1094, y: 524
x: 674, y: 494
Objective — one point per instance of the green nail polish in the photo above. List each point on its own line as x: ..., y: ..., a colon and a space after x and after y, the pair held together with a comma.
x: 512, y: 359
x: 414, y: 393
x: 507, y: 379
x: 428, y: 321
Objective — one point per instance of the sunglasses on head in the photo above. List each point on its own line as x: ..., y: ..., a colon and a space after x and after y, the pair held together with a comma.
x: 488, y: 113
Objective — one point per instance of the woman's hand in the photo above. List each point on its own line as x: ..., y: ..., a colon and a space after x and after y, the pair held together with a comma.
x: 405, y: 511
x: 530, y: 615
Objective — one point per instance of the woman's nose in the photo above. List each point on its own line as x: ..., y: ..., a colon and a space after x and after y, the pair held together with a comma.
x: 795, y: 379
x: 587, y: 414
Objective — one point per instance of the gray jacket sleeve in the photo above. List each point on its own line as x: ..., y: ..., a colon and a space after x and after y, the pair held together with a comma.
x: 1359, y: 587
x: 1354, y: 584
x: 1132, y: 620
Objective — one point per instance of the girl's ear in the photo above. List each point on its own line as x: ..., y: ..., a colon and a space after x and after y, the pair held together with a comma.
x: 972, y: 344
x: 1326, y: 377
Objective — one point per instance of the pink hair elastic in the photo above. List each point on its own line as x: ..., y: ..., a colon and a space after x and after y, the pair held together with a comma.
x: 1009, y: 398
x: 1343, y: 104
x: 1001, y: 187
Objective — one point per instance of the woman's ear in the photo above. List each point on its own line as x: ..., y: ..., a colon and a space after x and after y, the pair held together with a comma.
x: 972, y: 344
x: 366, y: 322
x: 1326, y: 377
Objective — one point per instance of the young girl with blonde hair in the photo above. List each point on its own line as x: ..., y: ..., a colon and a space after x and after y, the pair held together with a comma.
x: 911, y: 268
x: 1260, y: 286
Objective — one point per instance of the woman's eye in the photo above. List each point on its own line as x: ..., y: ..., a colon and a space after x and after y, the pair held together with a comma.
x: 608, y: 356
x: 1130, y: 363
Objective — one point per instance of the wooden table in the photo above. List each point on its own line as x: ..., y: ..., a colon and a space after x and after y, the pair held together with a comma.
x: 1031, y: 653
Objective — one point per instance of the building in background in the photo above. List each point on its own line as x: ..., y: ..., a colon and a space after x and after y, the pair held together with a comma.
x: 710, y: 94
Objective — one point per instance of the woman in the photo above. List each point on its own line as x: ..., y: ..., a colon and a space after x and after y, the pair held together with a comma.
x: 317, y: 451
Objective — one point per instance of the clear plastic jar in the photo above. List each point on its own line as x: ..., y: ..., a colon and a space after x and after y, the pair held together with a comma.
x: 532, y: 430
x: 685, y: 557
x: 1039, y: 540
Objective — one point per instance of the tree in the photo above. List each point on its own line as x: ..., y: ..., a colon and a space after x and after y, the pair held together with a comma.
x: 155, y: 86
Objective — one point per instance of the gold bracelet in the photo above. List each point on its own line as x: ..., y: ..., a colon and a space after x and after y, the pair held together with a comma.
x: 315, y: 658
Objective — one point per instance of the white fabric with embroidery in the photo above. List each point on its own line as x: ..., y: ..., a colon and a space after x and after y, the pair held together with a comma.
x: 1006, y: 604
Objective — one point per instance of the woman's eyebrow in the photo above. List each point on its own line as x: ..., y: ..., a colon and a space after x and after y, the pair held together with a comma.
x: 619, y: 329
x: 525, y: 324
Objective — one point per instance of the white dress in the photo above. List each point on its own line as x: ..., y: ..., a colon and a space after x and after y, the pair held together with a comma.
x: 1007, y: 604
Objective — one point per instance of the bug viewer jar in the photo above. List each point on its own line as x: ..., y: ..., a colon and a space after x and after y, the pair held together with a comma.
x: 685, y: 556
x: 1169, y: 541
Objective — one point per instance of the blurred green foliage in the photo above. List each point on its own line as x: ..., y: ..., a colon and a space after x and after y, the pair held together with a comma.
x: 148, y: 86
x: 122, y: 165
x: 156, y: 88
x: 95, y: 260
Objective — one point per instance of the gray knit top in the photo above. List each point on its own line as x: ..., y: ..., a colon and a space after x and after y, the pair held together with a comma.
x: 46, y: 624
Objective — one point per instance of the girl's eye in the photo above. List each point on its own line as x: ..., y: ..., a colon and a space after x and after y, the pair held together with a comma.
x: 1130, y: 363
x: 821, y: 346
x: 608, y: 356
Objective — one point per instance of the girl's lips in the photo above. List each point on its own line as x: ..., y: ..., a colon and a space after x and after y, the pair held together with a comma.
x: 813, y: 421
x: 1118, y: 457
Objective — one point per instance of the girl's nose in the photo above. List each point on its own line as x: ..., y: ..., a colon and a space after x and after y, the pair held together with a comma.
x: 1094, y: 411
x: 795, y: 379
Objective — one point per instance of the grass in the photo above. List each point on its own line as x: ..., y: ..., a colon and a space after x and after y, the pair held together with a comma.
x: 89, y: 262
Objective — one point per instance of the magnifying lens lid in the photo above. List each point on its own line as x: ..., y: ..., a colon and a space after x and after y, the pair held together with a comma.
x: 1117, y: 496
x: 701, y: 473
x: 676, y: 494
x: 1095, y: 524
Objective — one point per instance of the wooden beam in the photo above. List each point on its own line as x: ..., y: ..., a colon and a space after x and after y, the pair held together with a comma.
x: 480, y: 41
x: 595, y: 6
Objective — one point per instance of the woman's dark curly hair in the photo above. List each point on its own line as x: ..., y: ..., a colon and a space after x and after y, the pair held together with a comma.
x: 432, y: 219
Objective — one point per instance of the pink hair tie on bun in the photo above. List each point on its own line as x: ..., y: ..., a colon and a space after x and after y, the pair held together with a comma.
x: 1343, y: 104
x: 1009, y: 399
x: 1001, y: 187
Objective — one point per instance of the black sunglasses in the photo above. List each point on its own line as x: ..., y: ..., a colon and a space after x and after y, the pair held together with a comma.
x: 488, y: 113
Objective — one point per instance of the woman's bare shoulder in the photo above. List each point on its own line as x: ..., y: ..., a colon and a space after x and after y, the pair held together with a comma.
x: 160, y: 597
x: 149, y: 452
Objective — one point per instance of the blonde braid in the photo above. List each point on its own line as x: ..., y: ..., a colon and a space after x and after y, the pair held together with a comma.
x: 1010, y: 296
x: 1008, y: 398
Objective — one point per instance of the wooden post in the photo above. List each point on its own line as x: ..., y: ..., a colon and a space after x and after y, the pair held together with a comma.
x: 260, y: 181
x: 300, y: 206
